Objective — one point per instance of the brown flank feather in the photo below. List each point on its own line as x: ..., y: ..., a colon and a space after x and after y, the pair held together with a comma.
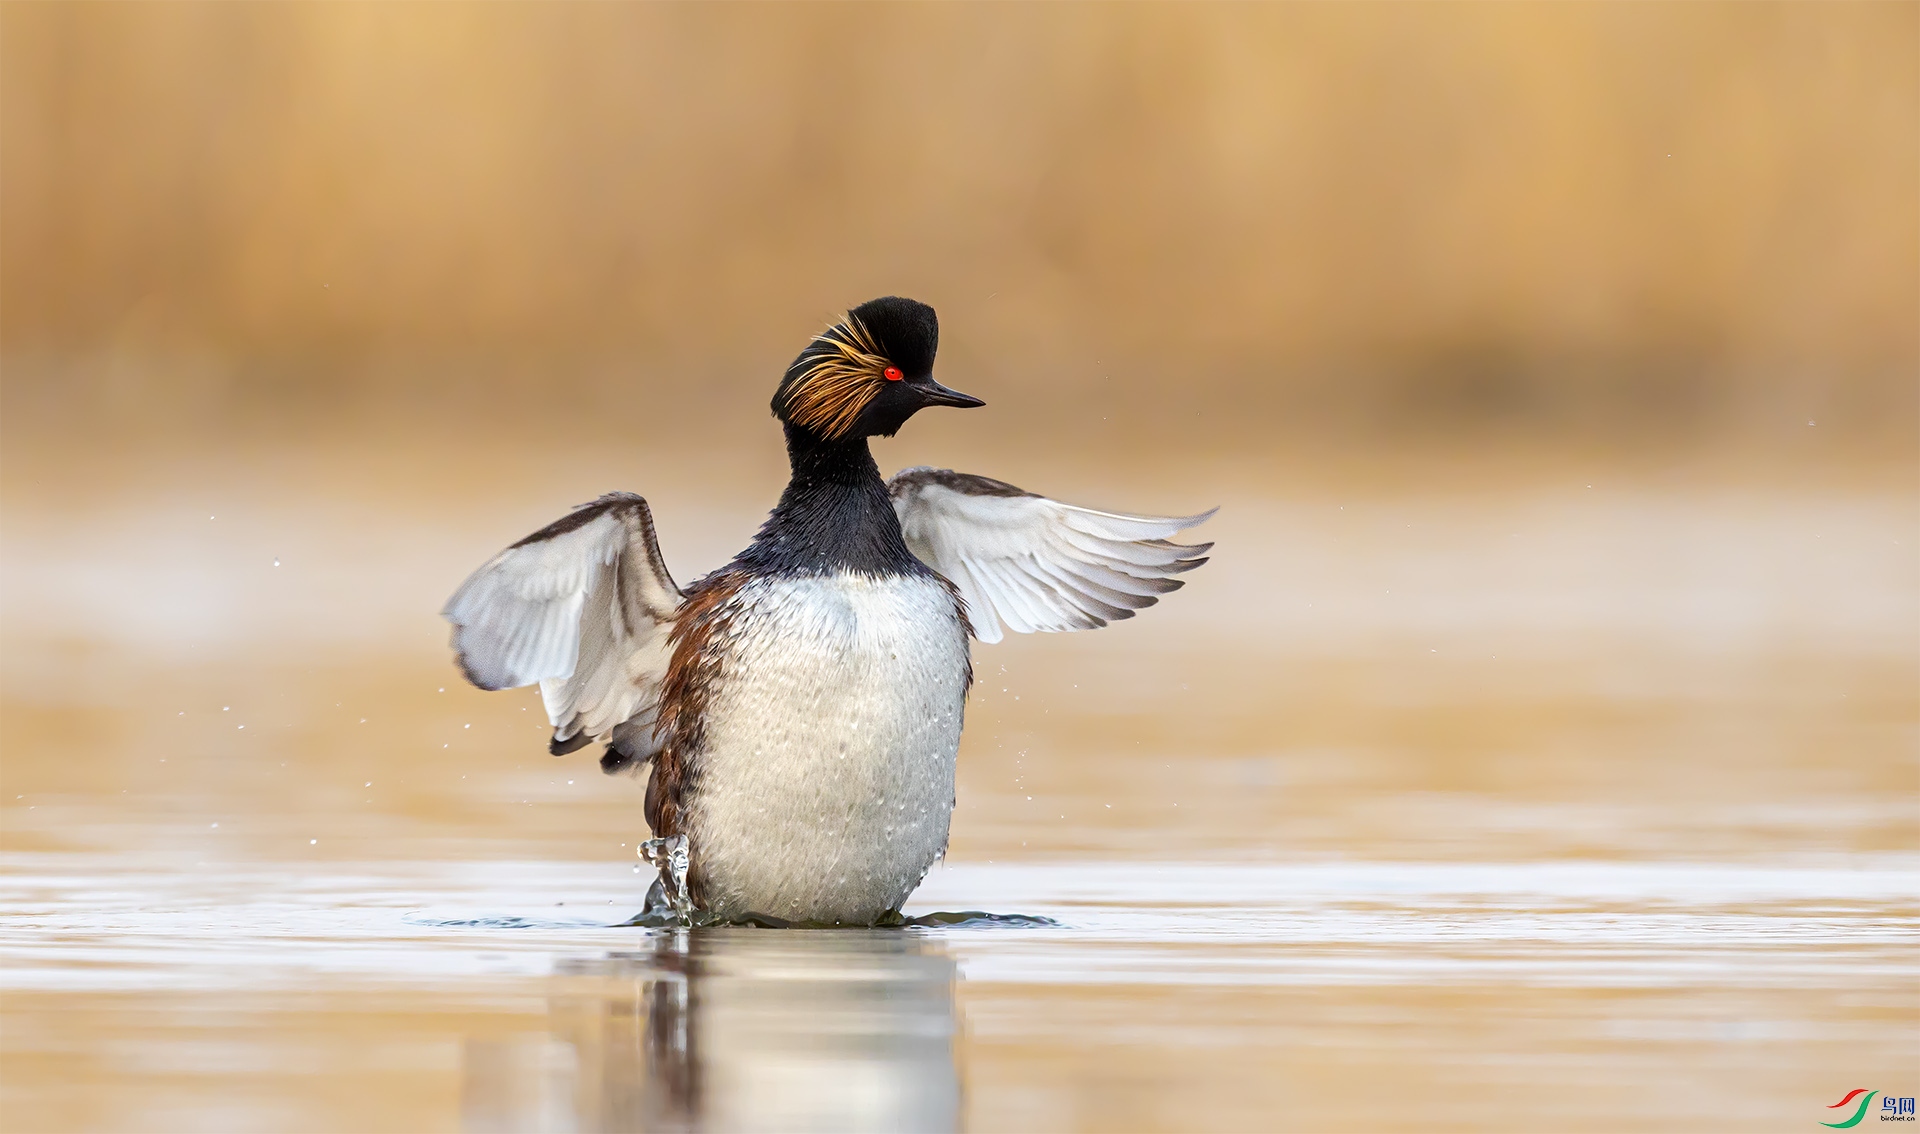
x: 840, y: 382
x: 698, y: 637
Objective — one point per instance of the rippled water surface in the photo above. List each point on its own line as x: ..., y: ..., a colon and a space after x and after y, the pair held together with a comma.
x: 1574, y: 805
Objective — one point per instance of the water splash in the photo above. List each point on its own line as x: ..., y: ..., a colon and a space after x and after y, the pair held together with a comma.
x: 671, y: 857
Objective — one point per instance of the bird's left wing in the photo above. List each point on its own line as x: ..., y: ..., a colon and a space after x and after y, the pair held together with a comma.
x: 1035, y: 563
x: 583, y: 606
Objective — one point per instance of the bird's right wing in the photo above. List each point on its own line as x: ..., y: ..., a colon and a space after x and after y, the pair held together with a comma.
x: 582, y: 606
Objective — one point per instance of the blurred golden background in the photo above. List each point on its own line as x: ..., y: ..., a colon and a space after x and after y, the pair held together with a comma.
x: 1538, y: 750
x: 1631, y: 220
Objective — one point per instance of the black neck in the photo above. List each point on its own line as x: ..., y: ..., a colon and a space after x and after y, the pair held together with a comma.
x: 834, y: 516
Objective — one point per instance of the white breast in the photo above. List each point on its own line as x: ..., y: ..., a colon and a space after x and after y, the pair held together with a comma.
x: 825, y: 784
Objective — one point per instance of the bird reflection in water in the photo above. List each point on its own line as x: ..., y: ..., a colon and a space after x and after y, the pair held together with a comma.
x: 734, y: 1029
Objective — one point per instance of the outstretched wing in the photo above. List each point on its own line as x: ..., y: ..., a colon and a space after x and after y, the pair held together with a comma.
x: 1035, y: 563
x: 583, y: 607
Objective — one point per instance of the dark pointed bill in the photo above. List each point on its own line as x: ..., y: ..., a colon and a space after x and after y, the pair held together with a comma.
x: 938, y: 395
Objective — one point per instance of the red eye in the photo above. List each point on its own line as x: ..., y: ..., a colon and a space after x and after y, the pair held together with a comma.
x: 893, y: 374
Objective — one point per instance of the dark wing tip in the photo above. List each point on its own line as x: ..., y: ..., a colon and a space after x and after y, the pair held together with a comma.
x: 572, y: 743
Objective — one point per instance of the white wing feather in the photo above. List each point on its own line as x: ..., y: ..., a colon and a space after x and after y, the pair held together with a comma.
x: 582, y: 607
x: 1036, y: 564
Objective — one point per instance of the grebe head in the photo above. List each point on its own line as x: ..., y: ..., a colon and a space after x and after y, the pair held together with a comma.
x: 867, y: 374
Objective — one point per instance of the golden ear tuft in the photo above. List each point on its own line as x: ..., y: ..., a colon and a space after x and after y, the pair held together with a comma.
x: 844, y: 375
